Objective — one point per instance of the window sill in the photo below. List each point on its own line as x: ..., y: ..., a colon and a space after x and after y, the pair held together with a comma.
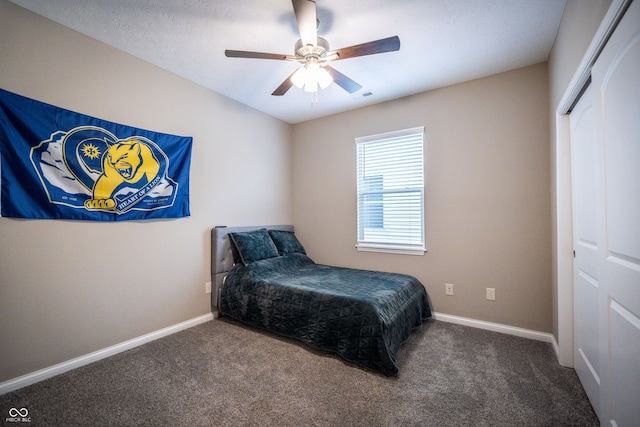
x: 400, y: 250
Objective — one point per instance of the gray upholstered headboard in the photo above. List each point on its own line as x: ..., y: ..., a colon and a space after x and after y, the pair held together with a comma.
x: 224, y: 255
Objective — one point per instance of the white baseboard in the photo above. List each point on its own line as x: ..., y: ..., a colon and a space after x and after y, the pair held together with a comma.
x: 556, y: 348
x: 496, y: 327
x: 60, y: 368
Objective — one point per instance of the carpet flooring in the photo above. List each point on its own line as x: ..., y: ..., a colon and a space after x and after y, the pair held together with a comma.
x: 225, y: 374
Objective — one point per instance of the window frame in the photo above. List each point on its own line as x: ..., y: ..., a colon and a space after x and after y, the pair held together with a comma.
x: 368, y: 245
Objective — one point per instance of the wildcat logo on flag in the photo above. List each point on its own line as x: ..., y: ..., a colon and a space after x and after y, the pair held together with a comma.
x: 58, y: 163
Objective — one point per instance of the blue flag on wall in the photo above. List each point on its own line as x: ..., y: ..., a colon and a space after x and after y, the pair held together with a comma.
x: 59, y: 164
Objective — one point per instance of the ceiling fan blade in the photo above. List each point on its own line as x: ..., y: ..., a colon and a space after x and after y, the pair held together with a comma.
x: 284, y: 86
x: 390, y: 44
x: 257, y: 55
x: 343, y: 81
x: 305, y: 11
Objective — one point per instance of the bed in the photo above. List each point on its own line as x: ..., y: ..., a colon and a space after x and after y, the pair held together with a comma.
x: 262, y: 277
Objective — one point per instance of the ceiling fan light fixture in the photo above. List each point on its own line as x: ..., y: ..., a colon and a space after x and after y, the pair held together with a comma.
x: 299, y: 78
x: 313, y: 73
x: 311, y: 77
x: 311, y: 86
x: 324, y: 78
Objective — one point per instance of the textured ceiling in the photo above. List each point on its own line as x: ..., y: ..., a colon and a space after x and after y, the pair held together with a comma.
x: 442, y: 42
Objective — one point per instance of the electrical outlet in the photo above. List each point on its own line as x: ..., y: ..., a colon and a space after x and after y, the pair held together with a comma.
x: 207, y: 288
x: 491, y: 294
x: 448, y: 289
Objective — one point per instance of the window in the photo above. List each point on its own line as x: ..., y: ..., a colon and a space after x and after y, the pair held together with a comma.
x: 390, y: 187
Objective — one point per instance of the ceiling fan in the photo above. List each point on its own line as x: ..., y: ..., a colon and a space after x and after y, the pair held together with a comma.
x: 313, y: 53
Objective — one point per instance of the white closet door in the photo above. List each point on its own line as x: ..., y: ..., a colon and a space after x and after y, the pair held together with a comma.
x: 585, y: 162
x: 616, y: 75
x: 607, y: 228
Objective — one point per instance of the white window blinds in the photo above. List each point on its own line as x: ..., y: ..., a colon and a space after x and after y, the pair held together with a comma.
x: 390, y: 191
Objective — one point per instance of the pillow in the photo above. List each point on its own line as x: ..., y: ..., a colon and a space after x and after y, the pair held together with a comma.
x: 286, y: 242
x: 254, y: 245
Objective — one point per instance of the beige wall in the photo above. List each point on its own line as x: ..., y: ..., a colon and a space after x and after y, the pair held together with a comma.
x: 487, y: 194
x: 579, y: 23
x: 70, y: 288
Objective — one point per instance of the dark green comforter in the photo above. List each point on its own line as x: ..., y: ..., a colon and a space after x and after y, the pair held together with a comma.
x: 361, y: 315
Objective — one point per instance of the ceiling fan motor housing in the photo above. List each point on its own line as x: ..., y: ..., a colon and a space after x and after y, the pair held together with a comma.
x: 317, y: 51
